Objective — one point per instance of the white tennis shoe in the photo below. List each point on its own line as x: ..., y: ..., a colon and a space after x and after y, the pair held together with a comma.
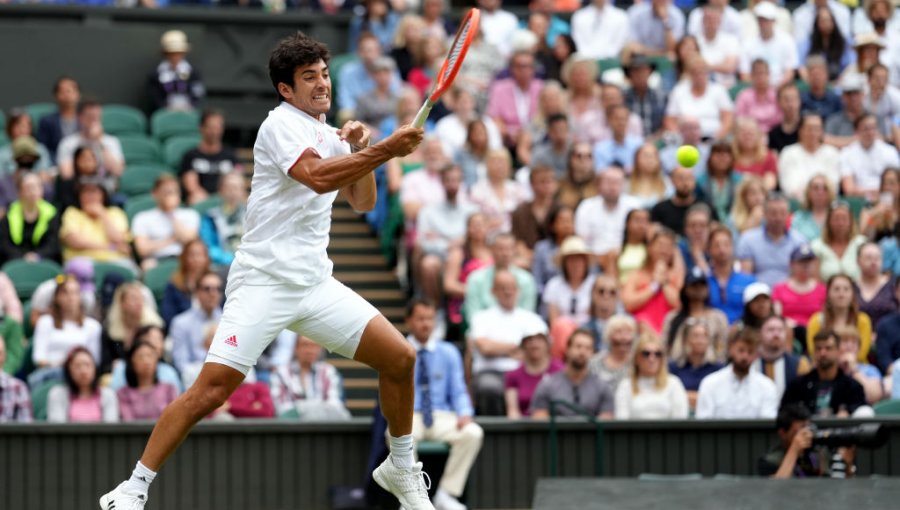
x: 120, y: 499
x: 410, y: 486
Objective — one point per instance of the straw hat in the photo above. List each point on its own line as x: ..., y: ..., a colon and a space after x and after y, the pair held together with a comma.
x: 572, y: 245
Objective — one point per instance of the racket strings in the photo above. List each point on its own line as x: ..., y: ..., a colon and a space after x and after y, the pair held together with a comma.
x: 456, y: 50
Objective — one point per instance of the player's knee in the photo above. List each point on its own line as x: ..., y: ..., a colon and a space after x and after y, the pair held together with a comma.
x: 405, y: 362
x: 209, y: 397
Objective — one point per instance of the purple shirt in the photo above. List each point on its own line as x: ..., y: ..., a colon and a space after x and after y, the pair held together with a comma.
x: 525, y: 383
x: 148, y: 404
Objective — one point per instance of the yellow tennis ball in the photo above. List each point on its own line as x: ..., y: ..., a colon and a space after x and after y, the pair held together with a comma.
x: 687, y: 156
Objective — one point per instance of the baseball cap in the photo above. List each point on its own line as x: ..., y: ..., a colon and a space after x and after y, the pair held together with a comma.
x: 802, y: 253
x: 852, y: 83
x: 534, y: 328
x: 695, y: 275
x: 756, y: 289
x: 765, y: 10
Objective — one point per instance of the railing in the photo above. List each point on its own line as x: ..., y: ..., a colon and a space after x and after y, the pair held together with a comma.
x: 554, y: 438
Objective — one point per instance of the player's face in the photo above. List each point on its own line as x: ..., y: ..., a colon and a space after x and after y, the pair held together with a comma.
x: 311, y: 92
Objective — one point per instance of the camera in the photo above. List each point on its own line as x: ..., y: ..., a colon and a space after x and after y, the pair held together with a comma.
x: 865, y: 435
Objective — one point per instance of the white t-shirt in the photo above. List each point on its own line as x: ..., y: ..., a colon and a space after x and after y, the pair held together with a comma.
x: 731, y: 22
x: 796, y: 167
x: 287, y: 224
x: 156, y: 225
x: 451, y: 131
x: 498, y: 28
x: 705, y: 108
x: 52, y: 345
x: 501, y: 325
x: 68, y: 145
x: 599, y: 33
x: 723, y: 397
x: 780, y: 51
x: 558, y: 293
x: 714, y: 52
x: 602, y: 229
x: 866, y: 166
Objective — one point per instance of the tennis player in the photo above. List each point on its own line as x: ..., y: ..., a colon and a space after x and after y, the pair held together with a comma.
x: 281, y: 277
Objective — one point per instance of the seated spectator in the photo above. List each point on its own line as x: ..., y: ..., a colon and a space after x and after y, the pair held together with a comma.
x: 891, y: 251
x: 697, y: 359
x: 827, y: 390
x: 749, y: 200
x: 203, y: 166
x: 650, y: 393
x: 505, y: 101
x: 815, y: 205
x: 93, y: 229
x: 696, y: 96
x: 222, y: 226
x: 479, y: 293
x: 802, y: 294
x: 620, y: 148
x: 421, y: 186
x: 825, y: 38
x: 356, y: 77
x: 776, y: 360
x: 865, y: 374
x: 18, y: 127
x: 451, y: 130
x: 553, y: 149
x: 717, y: 29
x: 472, y: 157
x: 736, y: 391
x: 765, y: 251
x: 66, y: 326
x: 785, y: 133
x: 652, y: 291
x: 688, y: 134
x: 840, y: 126
x: 839, y: 243
x: 377, y: 18
x: 162, y: 232
x: 696, y: 234
x: 494, y: 338
x: 81, y: 399
x: 726, y: 285
x: 751, y: 156
x: 580, y: 75
x: 757, y: 307
x: 879, y: 220
x: 187, y: 328
x: 560, y: 226
x: 888, y: 334
x: 671, y: 212
x: 574, y: 384
x: 694, y: 297
x: 176, y: 84
x: 868, y: 47
x: 463, y: 259
x: 774, y: 46
x: 567, y: 296
x: 409, y: 32
x: 634, y: 244
x: 82, y: 270
x: 600, y: 220
x: 144, y: 397
x: 165, y: 373
x: 547, y: 132
x: 107, y: 149
x: 15, y: 406
x: 758, y: 102
x: 655, y: 26
x: 308, y: 388
x: 819, y: 99
x: 648, y: 182
x: 600, y: 29
x: 874, y: 288
x: 863, y: 161
x: 841, y: 309
x: 580, y: 182
x: 55, y: 126
x: 84, y: 166
x: 529, y: 219
x: 30, y: 228
x: 381, y: 102
x: 883, y: 100
x: 648, y: 102
x: 193, y: 263
x: 611, y: 364
x: 800, y: 162
x: 521, y: 382
x: 127, y: 314
x: 720, y: 182
x: 497, y: 196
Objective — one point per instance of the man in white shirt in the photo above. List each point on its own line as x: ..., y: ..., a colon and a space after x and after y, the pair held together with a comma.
x: 282, y: 278
x: 736, y: 392
x: 863, y: 161
x: 600, y: 220
x: 719, y: 48
x: 107, y: 148
x: 452, y: 129
x: 600, y: 30
x: 730, y: 19
x: 162, y: 232
x: 805, y: 18
x: 775, y: 47
x: 800, y: 162
x: 497, y: 25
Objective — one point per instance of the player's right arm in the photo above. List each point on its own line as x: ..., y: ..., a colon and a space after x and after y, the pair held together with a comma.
x: 332, y: 174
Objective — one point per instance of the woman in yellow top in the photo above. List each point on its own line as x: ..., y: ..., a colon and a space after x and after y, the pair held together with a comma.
x: 92, y: 229
x: 841, y: 310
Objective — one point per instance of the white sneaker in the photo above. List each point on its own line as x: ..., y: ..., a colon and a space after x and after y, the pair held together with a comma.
x: 119, y: 499
x: 445, y: 501
x: 408, y: 485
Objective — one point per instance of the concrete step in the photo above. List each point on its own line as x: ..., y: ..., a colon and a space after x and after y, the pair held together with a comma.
x: 371, y: 261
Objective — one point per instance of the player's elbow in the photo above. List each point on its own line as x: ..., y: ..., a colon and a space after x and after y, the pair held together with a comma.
x: 303, y: 173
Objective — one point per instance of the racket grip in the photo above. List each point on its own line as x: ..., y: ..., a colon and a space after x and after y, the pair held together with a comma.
x: 422, y: 116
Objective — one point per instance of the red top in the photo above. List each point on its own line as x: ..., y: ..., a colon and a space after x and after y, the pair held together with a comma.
x: 799, y: 307
x: 768, y: 165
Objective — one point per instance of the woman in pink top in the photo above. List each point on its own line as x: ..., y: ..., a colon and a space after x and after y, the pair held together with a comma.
x: 801, y: 295
x: 144, y: 398
x: 80, y: 399
x: 651, y: 292
x: 521, y: 382
x: 759, y: 101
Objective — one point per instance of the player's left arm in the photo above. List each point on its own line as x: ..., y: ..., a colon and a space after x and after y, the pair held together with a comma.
x: 362, y: 193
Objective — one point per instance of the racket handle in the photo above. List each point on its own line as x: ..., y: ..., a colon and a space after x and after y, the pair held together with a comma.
x: 422, y: 116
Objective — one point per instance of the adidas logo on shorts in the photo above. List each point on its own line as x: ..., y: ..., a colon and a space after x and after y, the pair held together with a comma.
x: 232, y: 341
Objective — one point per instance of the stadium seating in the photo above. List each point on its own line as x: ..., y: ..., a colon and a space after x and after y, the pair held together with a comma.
x: 123, y: 120
x: 156, y: 278
x: 165, y: 124
x: 101, y: 269
x: 887, y: 408
x: 39, y: 399
x: 3, y: 139
x: 140, y: 149
x: 26, y: 276
x: 138, y: 179
x: 175, y: 148
x: 207, y: 204
x: 38, y: 110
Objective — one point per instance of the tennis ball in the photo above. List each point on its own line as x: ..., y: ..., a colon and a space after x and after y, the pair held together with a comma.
x: 687, y: 156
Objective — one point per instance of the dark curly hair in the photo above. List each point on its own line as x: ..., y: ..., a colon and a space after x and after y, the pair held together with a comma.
x: 292, y: 52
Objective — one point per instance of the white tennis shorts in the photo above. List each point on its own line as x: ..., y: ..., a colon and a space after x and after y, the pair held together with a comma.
x: 259, y: 306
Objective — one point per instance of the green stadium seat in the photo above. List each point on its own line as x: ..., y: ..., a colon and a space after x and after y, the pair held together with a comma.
x: 737, y: 88
x: 140, y: 149
x: 887, y: 408
x: 120, y: 119
x: 139, y: 179
x: 175, y: 148
x: 206, y: 205
x: 101, y: 269
x: 663, y: 64
x: 606, y: 64
x: 139, y: 203
x: 857, y: 204
x: 39, y: 400
x: 3, y: 139
x: 38, y: 110
x: 26, y: 276
x: 432, y: 448
x: 157, y: 278
x: 165, y: 124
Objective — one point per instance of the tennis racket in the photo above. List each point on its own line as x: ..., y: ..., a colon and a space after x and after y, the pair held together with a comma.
x: 467, y: 30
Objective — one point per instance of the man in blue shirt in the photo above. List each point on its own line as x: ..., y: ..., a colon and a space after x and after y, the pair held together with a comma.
x: 765, y: 251
x: 355, y: 78
x: 443, y: 409
x: 726, y: 286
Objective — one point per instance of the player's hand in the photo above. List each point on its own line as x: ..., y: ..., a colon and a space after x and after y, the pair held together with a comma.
x: 404, y: 140
x: 356, y: 133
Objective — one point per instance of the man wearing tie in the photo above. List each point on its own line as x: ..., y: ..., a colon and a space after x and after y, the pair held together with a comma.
x: 443, y: 409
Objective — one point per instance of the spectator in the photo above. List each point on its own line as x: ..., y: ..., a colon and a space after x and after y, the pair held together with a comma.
x: 751, y: 155
x: 720, y: 182
x: 560, y: 225
x: 765, y: 251
x: 30, y: 228
x: 634, y: 244
x: 604, y: 304
x: 580, y: 75
x: 377, y: 18
x: 55, y: 126
x: 817, y: 199
x: 552, y: 147
x: 806, y: 18
x: 696, y: 233
x: 717, y: 29
x: 567, y: 296
x: 874, y: 288
x: 175, y: 84
x: 127, y: 315
x: 863, y: 161
x: 648, y: 183
x: 482, y: 64
x: 451, y: 130
x: 381, y: 102
x: 479, y: 295
x: 728, y: 18
x: 650, y: 393
x: 697, y: 359
x: 421, y: 186
x: 434, y: 22
x: 84, y: 166
x: 161, y: 233
x: 494, y: 338
x: 611, y: 363
x: 839, y: 243
x: 868, y: 47
x: 841, y: 309
x: 698, y: 97
x: 757, y: 306
x: 800, y: 162
x: 15, y: 400
x: 600, y: 30
x: 652, y: 291
x: 18, y: 127
x: 64, y: 327
x: 514, y: 101
x: 726, y: 285
x: 758, y: 101
x: 222, y: 226
x: 308, y: 388
x: 880, y: 219
x: 840, y: 126
x: 775, y: 358
x: 774, y: 46
x: 694, y: 297
x: 356, y: 77
x: 563, y: 48
x: 655, y: 27
x: 672, y: 212
x: 802, y: 294
x: 93, y: 229
x: 620, y: 148
x: 648, y: 102
x: 463, y: 259
x: 827, y: 390
x: 529, y: 219
x: 81, y: 399
x: 187, y: 328
x: 862, y: 372
x: 472, y: 157
x: 107, y: 149
x: 888, y: 334
x: 786, y: 132
x: 579, y: 182
x: 165, y: 373
x: 144, y: 397
x: 819, y: 98
x: 521, y: 382
x: 497, y: 196
x: 736, y: 391
x: 600, y: 220
x: 883, y: 99
x: 555, y: 24
x: 407, y: 36
x: 689, y: 133
x: 498, y: 25
x: 193, y: 262
x: 750, y: 24
x: 203, y: 166
x: 827, y: 40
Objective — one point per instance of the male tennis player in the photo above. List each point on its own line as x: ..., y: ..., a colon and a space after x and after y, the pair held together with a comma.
x: 281, y: 276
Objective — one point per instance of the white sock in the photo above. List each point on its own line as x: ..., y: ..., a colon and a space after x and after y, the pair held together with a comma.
x: 141, y: 478
x: 402, y: 451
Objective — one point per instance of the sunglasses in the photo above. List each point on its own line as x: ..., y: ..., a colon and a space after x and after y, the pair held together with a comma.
x: 651, y: 354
